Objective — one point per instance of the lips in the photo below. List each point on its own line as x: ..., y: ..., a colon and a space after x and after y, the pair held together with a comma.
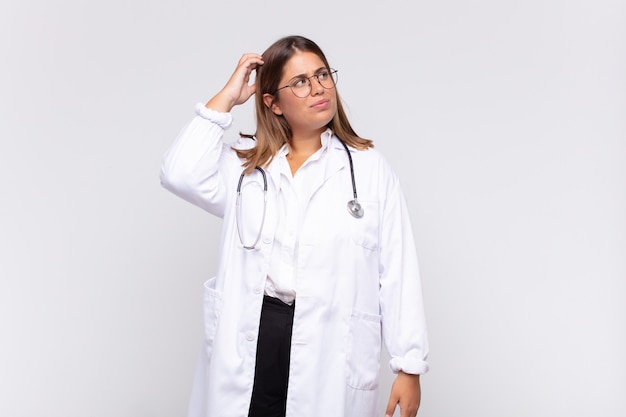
x: 322, y: 104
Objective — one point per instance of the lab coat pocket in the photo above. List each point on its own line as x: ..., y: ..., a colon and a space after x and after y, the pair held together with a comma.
x: 364, y: 351
x: 365, y: 229
x: 212, y: 306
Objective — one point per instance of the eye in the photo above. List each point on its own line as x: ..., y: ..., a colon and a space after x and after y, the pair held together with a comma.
x: 299, y: 82
x: 322, y: 75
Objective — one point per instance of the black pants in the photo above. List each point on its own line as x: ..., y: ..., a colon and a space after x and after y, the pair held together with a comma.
x: 271, y: 375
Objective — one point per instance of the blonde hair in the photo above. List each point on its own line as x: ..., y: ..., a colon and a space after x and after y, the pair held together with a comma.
x: 273, y: 131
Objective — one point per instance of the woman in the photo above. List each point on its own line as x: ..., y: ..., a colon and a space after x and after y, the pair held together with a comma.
x: 305, y: 286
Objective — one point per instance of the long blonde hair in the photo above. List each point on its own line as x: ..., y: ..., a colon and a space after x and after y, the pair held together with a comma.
x: 273, y: 131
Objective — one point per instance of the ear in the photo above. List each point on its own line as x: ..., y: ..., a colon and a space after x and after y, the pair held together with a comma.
x: 268, y: 99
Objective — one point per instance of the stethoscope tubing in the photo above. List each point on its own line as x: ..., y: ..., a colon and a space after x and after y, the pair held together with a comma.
x: 351, y: 169
x: 354, y: 207
x: 238, y: 214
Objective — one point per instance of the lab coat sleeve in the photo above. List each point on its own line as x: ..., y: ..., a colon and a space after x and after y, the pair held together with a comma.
x: 402, y: 310
x: 193, y: 167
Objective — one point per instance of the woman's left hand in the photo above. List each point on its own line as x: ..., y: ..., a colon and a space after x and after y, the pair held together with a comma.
x: 406, y: 392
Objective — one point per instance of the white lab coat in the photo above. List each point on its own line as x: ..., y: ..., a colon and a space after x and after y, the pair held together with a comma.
x: 357, y: 281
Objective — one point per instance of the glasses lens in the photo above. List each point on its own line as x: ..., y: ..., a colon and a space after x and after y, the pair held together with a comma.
x: 302, y: 88
x: 328, y: 79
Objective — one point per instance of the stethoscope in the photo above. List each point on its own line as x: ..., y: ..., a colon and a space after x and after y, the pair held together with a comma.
x: 354, y: 207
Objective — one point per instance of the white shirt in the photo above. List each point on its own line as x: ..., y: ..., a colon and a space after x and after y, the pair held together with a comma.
x: 294, y: 194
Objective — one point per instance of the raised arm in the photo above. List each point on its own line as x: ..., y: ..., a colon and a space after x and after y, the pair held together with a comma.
x: 198, y: 163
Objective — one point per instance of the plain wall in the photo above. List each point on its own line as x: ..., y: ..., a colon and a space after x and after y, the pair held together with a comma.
x: 506, y: 122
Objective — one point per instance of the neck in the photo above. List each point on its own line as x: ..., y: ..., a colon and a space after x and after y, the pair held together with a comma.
x: 304, y: 146
x: 301, y: 148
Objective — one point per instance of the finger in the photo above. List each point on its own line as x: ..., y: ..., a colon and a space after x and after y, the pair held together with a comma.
x: 251, y: 90
x: 250, y: 61
x: 406, y: 411
x: 248, y: 56
x: 391, y: 405
x: 245, y: 68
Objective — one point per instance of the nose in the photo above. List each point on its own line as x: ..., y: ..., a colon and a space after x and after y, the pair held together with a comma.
x: 316, y: 86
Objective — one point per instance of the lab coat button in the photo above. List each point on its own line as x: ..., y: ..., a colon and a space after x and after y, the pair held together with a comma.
x: 257, y: 290
x: 249, y: 337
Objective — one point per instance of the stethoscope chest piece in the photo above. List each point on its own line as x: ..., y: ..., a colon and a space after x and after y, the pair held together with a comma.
x: 355, y: 209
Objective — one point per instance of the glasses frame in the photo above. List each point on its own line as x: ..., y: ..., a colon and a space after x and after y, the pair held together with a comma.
x: 333, y: 76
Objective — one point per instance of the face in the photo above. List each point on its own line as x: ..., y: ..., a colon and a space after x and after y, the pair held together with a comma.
x: 312, y: 113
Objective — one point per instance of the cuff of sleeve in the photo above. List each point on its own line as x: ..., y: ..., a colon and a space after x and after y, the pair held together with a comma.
x: 223, y: 120
x: 408, y: 365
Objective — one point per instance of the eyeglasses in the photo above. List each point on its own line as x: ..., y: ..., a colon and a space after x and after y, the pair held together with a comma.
x: 301, y: 86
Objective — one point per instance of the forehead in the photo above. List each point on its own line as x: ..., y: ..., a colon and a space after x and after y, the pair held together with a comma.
x: 302, y: 63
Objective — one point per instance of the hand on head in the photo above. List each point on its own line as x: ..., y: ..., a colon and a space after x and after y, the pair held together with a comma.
x: 238, y: 88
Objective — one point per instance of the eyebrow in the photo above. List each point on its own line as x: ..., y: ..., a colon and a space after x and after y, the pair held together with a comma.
x: 306, y: 76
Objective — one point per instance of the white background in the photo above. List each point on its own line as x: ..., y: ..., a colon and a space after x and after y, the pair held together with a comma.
x: 505, y: 120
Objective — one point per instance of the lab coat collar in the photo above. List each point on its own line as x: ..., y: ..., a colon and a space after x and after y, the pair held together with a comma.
x: 325, y: 137
x: 330, y: 145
